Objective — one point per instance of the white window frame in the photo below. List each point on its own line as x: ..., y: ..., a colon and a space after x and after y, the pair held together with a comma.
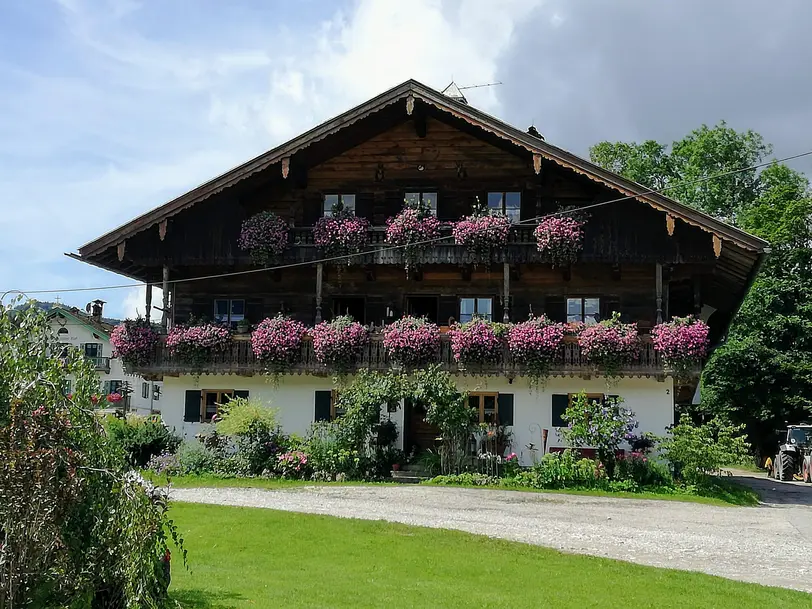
x: 476, y: 313
x: 589, y: 319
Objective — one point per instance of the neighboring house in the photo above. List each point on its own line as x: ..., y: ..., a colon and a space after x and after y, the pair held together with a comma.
x: 91, y: 335
x: 647, y: 257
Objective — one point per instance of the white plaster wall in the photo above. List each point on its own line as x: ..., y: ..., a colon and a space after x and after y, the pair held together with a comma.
x: 652, y: 402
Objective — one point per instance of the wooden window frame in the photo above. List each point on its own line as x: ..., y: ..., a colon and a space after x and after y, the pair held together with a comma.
x: 230, y: 302
x: 583, y: 300
x: 333, y: 401
x: 436, y: 298
x: 482, y: 395
x: 589, y: 396
x: 420, y: 194
x: 328, y: 213
x: 204, y: 392
x: 476, y: 313
x: 503, y: 207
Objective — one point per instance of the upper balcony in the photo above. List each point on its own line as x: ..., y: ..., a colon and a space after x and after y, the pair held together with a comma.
x: 100, y: 364
x: 239, y: 359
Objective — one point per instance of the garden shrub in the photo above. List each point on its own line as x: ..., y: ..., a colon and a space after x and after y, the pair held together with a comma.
x: 195, y: 458
x: 642, y: 470
x: 140, y: 438
x: 256, y: 436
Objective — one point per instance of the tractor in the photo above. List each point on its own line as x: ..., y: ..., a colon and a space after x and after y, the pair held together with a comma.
x: 794, y: 456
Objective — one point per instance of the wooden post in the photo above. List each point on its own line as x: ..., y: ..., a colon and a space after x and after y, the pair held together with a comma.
x: 165, y: 289
x: 148, y: 302
x: 319, y: 274
x: 506, y: 306
x: 659, y: 292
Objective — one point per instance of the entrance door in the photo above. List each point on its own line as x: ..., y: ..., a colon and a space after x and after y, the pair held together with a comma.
x: 423, y: 306
x: 419, y: 435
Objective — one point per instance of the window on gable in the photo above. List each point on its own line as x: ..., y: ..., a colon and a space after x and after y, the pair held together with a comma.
x: 587, y: 310
x: 229, y: 311
x: 145, y: 390
x: 93, y: 350
x: 508, y: 203
x: 428, y: 199
x: 332, y: 200
x: 62, y: 331
x: 476, y: 307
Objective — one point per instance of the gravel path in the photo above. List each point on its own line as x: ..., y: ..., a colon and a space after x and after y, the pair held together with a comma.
x: 770, y: 544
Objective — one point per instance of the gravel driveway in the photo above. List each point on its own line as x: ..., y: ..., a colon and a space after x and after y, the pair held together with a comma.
x: 770, y: 544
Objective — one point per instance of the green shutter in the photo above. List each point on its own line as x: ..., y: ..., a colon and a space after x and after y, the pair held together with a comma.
x: 506, y: 409
x: 560, y: 403
x: 323, y: 400
x: 191, y: 413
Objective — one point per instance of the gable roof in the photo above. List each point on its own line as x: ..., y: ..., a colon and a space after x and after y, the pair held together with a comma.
x: 410, y: 91
x: 100, y: 328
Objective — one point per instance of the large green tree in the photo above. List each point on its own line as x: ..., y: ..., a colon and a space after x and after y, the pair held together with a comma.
x: 762, y: 375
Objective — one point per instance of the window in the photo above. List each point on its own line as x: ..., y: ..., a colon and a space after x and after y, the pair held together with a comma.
x: 145, y: 390
x: 587, y: 310
x: 327, y: 406
x: 331, y: 201
x: 354, y: 306
x: 428, y: 199
x: 156, y: 393
x: 476, y: 307
x: 113, y: 387
x: 487, y: 405
x: 229, y: 311
x: 212, y: 400
x: 62, y: 331
x: 93, y: 350
x: 562, y: 401
x: 508, y: 203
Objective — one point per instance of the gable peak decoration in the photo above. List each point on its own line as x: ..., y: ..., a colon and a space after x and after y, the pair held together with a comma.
x: 453, y: 91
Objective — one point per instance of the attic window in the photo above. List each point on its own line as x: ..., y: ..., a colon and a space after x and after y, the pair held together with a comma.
x: 331, y: 201
x: 62, y: 331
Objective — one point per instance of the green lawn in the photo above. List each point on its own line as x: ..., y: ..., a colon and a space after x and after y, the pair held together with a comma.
x: 726, y: 494
x: 248, y: 557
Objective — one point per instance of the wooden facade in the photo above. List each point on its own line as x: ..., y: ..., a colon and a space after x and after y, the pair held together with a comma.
x: 645, y: 256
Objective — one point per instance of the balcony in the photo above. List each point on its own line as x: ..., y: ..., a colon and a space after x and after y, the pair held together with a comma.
x: 239, y: 359
x: 100, y: 364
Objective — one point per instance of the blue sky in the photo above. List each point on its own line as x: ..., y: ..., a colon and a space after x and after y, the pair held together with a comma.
x: 111, y: 107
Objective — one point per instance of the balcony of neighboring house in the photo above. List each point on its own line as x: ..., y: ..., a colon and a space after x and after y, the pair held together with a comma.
x: 239, y: 359
x: 93, y: 353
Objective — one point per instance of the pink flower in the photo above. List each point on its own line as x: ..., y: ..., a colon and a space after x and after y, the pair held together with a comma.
x: 412, y: 341
x: 341, y: 234
x: 134, y: 342
x: 338, y: 343
x: 535, y: 342
x: 561, y: 238
x: 683, y: 342
x: 477, y: 342
x: 265, y: 235
x: 482, y: 232
x: 610, y: 343
x: 278, y: 341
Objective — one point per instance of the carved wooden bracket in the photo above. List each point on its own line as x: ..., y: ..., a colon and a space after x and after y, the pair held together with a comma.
x: 120, y: 250
x: 410, y: 105
x: 717, y: 245
x: 162, y: 225
x: 537, y: 163
x: 669, y: 224
x: 285, y: 166
x: 380, y: 174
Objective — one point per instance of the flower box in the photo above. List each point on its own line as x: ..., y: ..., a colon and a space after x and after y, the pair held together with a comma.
x: 196, y: 344
x: 341, y: 234
x: 477, y: 342
x: 277, y: 341
x: 535, y: 343
x: 265, y: 236
x: 482, y: 232
x: 134, y: 342
x: 412, y: 341
x: 683, y: 343
x: 338, y: 343
x: 561, y: 238
x: 609, y: 344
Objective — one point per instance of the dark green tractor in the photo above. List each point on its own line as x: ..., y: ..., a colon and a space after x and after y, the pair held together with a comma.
x: 794, y: 456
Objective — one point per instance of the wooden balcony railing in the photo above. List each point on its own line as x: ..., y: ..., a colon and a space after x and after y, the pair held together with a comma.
x: 239, y: 359
x: 100, y: 364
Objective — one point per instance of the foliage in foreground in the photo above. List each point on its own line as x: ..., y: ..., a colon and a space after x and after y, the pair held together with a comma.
x: 78, y: 529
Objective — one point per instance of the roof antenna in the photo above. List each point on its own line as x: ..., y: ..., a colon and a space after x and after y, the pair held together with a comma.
x: 454, y: 91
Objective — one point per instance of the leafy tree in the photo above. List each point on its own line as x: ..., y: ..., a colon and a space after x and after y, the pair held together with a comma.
x: 648, y: 163
x: 76, y: 528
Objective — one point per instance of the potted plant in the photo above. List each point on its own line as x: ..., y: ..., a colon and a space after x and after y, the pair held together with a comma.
x: 412, y: 341
x: 609, y: 344
x: 197, y: 343
x: 683, y: 343
x: 134, y: 342
x: 338, y: 343
x: 534, y: 344
x: 277, y: 341
x: 341, y: 233
x: 561, y: 238
x: 482, y: 231
x: 477, y: 341
x: 243, y: 326
x: 265, y: 236
x: 412, y: 228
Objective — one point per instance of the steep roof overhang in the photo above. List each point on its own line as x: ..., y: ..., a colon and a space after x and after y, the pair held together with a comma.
x: 409, y: 92
x: 102, y: 330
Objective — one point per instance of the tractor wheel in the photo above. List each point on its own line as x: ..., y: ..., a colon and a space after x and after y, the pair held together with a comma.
x: 785, y: 467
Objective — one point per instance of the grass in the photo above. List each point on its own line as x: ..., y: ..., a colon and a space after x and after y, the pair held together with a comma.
x: 723, y: 494
x: 249, y: 557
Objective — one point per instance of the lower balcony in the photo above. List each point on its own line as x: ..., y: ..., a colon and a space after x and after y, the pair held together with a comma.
x: 239, y: 359
x: 100, y: 364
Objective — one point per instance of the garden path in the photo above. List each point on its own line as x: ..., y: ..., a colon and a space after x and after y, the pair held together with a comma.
x: 761, y: 544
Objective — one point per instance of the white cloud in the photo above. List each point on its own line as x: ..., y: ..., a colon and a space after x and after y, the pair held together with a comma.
x: 127, y: 115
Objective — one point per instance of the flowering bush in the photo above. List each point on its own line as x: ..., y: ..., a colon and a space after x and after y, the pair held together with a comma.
x: 477, y: 341
x: 609, y: 344
x: 196, y: 344
x: 600, y: 424
x: 683, y: 343
x: 534, y: 343
x: 481, y: 232
x: 114, y: 398
x: 561, y: 238
x: 292, y: 464
x: 411, y: 228
x: 411, y: 341
x: 265, y: 235
x: 133, y: 342
x: 278, y: 341
x: 341, y: 234
x: 337, y: 343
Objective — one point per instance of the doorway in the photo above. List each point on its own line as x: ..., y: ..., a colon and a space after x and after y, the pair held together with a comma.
x: 354, y: 306
x: 423, y: 306
x: 419, y: 435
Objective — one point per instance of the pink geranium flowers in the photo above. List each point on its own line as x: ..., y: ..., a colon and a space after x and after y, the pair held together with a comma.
x: 278, y: 341
x: 338, y: 343
x: 561, y: 238
x: 265, y: 236
x: 683, y: 343
x: 412, y: 341
x: 413, y: 229
x: 481, y: 232
x: 134, y: 342
x: 196, y: 344
x: 609, y: 344
x: 341, y: 234
x: 534, y: 344
x: 477, y: 342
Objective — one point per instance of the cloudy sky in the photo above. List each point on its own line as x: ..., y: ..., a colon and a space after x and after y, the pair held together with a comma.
x: 111, y: 107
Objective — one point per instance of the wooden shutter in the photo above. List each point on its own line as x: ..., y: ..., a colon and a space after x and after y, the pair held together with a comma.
x: 505, y: 402
x: 560, y: 403
x: 191, y: 412
x: 240, y: 393
x: 555, y: 307
x: 323, y: 400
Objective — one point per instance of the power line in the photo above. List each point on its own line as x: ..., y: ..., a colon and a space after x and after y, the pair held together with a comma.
x: 419, y: 243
